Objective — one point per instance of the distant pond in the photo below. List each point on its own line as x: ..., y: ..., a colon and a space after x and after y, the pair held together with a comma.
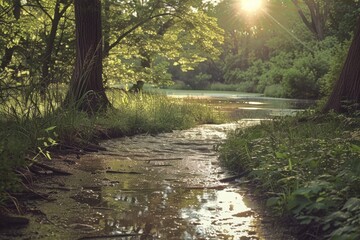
x: 243, y: 105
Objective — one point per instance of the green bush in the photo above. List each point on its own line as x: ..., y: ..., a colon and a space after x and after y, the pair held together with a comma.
x: 302, y: 74
x: 275, y: 90
x: 223, y: 87
x: 299, y: 83
x: 308, y: 166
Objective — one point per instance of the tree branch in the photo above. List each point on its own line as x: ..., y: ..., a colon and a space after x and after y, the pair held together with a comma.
x: 43, y: 9
x: 308, y: 24
x: 126, y: 33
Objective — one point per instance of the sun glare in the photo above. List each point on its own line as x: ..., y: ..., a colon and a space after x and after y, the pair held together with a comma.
x: 251, y: 5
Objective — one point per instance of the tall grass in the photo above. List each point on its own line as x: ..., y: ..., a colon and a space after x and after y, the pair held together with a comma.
x: 308, y: 167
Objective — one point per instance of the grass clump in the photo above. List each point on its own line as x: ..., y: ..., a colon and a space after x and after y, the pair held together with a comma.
x: 154, y: 113
x: 309, y: 168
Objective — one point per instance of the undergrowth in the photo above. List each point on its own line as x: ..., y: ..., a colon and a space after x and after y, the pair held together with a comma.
x: 308, y: 167
x: 30, y: 127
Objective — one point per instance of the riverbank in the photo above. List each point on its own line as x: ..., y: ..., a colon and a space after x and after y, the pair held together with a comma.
x: 29, y: 134
x: 308, y: 169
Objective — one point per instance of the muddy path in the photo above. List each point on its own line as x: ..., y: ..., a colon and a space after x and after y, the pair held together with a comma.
x: 164, y: 186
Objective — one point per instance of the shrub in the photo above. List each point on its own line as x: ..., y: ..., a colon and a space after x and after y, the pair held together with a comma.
x: 308, y: 166
x: 275, y: 90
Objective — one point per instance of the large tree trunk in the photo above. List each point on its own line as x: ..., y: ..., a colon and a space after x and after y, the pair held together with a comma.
x: 86, y: 89
x: 346, y: 92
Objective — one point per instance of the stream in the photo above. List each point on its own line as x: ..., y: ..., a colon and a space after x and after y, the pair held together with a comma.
x: 166, y: 186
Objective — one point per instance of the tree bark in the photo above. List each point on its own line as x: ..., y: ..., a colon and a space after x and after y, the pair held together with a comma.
x: 106, y: 26
x: 47, y: 59
x: 86, y: 89
x: 17, y: 9
x: 346, y: 92
x: 9, y: 52
x: 6, y: 59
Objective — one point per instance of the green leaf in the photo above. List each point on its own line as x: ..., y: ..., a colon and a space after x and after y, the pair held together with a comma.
x: 273, y: 201
x: 352, y: 204
x: 355, y: 148
x: 305, y: 220
x: 47, y: 155
x: 280, y: 155
x: 50, y: 129
x: 298, y: 203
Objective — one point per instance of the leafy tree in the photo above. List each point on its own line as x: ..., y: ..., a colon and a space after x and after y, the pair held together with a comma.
x: 149, y: 36
x: 40, y: 40
x: 342, y: 19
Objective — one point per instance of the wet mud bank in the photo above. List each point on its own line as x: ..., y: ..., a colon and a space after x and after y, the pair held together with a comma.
x: 167, y: 186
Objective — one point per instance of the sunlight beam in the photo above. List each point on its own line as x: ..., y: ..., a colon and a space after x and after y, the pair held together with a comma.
x: 251, y: 6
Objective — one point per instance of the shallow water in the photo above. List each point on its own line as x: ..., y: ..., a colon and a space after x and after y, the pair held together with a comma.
x: 148, y: 187
x: 243, y: 105
x: 164, y: 186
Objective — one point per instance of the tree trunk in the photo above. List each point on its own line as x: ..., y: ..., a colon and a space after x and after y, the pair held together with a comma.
x: 87, y: 89
x: 318, y: 17
x: 47, y: 60
x: 346, y: 92
x: 106, y: 27
x: 6, y: 59
x: 17, y: 9
x: 9, y: 52
x: 47, y: 57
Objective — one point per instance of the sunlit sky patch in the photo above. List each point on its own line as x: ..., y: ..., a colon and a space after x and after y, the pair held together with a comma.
x: 251, y: 6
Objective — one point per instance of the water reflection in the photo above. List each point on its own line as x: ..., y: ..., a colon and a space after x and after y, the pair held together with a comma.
x: 218, y: 216
x: 151, y: 187
x: 174, y: 202
x: 241, y: 105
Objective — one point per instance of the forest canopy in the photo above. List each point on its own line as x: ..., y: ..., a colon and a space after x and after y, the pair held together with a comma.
x: 279, y: 48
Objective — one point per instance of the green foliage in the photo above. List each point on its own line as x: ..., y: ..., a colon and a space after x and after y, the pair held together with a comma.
x: 12, y: 155
x: 276, y: 49
x: 224, y: 87
x: 307, y: 165
x: 20, y: 139
x: 275, y: 90
x: 292, y: 74
x: 153, y: 113
x: 139, y: 44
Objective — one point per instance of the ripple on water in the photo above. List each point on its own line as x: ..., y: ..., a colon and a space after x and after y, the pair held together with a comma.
x: 176, y: 196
